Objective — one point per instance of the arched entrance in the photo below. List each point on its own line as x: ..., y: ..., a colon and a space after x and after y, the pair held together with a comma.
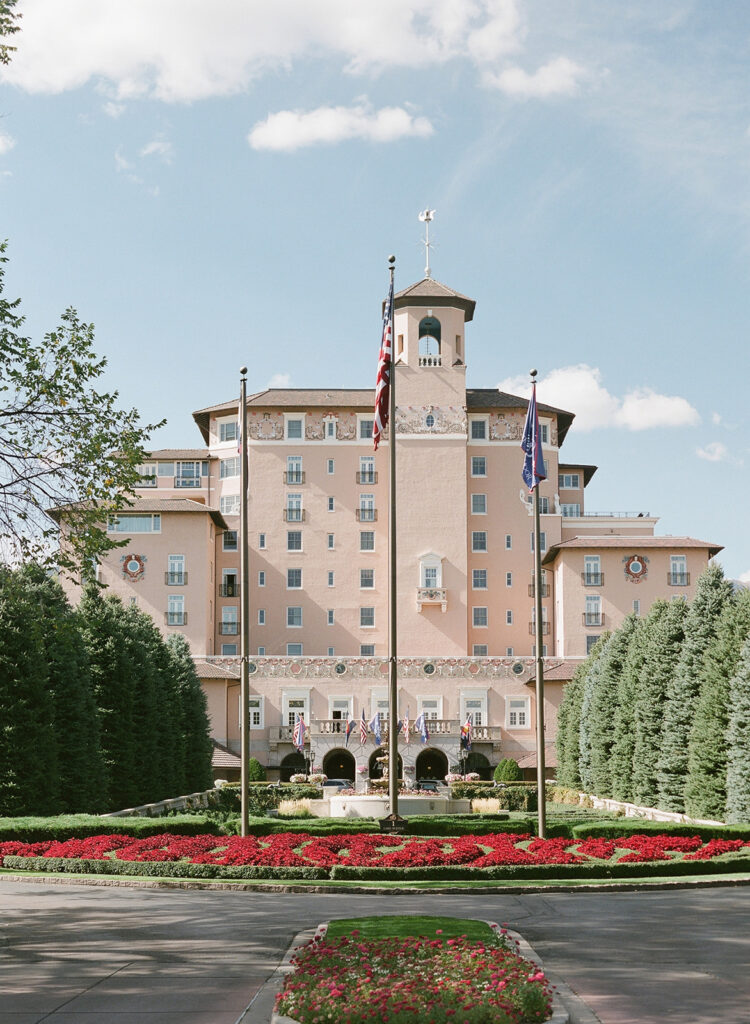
x: 431, y: 764
x: 339, y: 764
x: 478, y: 763
x: 376, y: 770
x: 291, y: 765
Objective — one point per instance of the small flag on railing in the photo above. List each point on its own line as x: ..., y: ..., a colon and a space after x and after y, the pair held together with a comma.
x: 298, y: 736
x: 363, y: 729
x: 385, y: 368
x: 349, y: 730
x: 533, y: 464
x: 407, y: 726
x: 375, y: 728
x: 420, y: 726
x: 466, y: 735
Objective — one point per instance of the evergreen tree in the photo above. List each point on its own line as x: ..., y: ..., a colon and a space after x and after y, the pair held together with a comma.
x: 196, y: 726
x: 623, y: 730
x: 255, y: 771
x: 74, y: 715
x: 738, y: 741
x: 712, y: 593
x: 569, y: 724
x: 142, y: 644
x: 664, y: 634
x: 706, y: 787
x: 604, y: 703
x: 593, y: 680
x: 28, y: 751
x: 171, y: 741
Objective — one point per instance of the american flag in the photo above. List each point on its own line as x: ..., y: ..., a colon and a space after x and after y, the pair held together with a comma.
x: 363, y: 728
x: 533, y: 464
x: 385, y: 368
x: 298, y: 736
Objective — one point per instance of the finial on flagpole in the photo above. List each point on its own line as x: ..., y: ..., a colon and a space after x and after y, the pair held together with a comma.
x: 426, y: 217
x: 243, y: 371
x: 532, y: 374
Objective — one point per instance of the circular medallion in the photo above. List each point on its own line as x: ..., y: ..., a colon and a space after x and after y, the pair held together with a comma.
x: 340, y: 669
x: 428, y: 669
x: 252, y: 667
x: 429, y: 421
x: 133, y: 566
x: 518, y: 668
x: 635, y: 568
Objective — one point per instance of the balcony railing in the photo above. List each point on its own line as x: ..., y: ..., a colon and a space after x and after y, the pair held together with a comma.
x: 229, y: 590
x: 175, y: 618
x: 366, y: 515
x: 430, y: 361
x: 438, y: 727
x: 147, y: 481
x: 592, y: 618
x: 294, y: 476
x: 176, y: 579
x: 545, y: 628
x: 294, y: 515
x: 678, y: 579
x: 284, y: 734
x: 367, y: 476
x: 229, y: 628
x: 592, y: 579
x: 187, y: 481
x: 544, y: 589
x: 432, y: 595
x: 615, y: 515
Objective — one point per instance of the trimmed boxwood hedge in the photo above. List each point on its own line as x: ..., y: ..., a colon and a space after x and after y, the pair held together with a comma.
x: 159, y: 869
x: 80, y: 826
x: 637, y: 826
x: 513, y: 796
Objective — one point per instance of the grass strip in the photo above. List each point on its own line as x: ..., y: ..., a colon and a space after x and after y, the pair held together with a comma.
x: 384, y: 926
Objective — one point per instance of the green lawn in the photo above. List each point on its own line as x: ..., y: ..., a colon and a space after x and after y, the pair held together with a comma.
x: 411, y: 925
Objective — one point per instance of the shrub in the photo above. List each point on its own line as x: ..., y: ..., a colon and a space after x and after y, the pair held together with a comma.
x: 508, y: 771
x: 295, y: 809
x: 255, y: 770
x: 79, y: 826
x: 485, y: 805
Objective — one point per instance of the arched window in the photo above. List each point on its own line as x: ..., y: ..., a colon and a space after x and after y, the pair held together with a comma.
x: 429, y: 341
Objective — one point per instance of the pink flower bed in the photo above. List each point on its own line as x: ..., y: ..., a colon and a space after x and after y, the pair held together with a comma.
x: 373, y: 850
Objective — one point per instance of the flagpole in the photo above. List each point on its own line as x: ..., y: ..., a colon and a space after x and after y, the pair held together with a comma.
x: 540, y: 765
x: 244, y: 614
x: 392, y: 581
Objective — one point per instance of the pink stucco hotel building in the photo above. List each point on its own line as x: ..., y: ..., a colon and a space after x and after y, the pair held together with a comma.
x: 318, y: 560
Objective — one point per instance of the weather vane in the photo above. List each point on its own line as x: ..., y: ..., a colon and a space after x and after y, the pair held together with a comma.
x: 426, y: 216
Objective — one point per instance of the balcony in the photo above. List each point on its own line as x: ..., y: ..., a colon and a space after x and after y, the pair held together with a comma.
x: 593, y: 618
x: 187, y: 481
x: 146, y: 481
x: 175, y: 618
x: 678, y: 579
x: 367, y: 476
x: 176, y: 579
x: 592, y: 579
x: 294, y: 476
x: 366, y: 515
x: 544, y: 589
x: 615, y: 515
x: 432, y: 595
x: 545, y: 628
x: 229, y: 628
x: 284, y: 734
x: 430, y: 361
x: 229, y: 590
x: 449, y: 728
x: 294, y: 515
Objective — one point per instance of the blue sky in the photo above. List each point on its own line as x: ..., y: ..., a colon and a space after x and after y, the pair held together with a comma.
x: 219, y: 184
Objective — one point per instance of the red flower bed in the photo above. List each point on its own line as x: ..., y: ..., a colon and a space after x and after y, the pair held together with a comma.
x: 372, y: 850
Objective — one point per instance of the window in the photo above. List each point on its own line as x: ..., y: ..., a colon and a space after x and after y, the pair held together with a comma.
x: 365, y: 430
x: 366, y: 579
x: 331, y: 504
x: 294, y: 429
x: 367, y: 540
x: 479, y: 504
x: 131, y: 522
x: 262, y: 578
x: 331, y: 541
x: 544, y: 650
x: 636, y: 607
x: 544, y: 432
x: 331, y: 652
x: 479, y: 650
x: 479, y: 617
x: 474, y: 708
x: 229, y: 467
x: 262, y: 541
x: 229, y: 649
x: 367, y: 650
x: 542, y: 541
x: 431, y: 571
x: 294, y: 474
x: 147, y: 475
x: 593, y: 614
x: 592, y: 571
x: 229, y: 540
x: 331, y: 577
x: 293, y: 513
x: 294, y: 540
x: 165, y: 469
x: 568, y: 481
x: 509, y: 579
x: 256, y: 712
x: 261, y: 616
x: 509, y: 617
x: 430, y: 575
x: 367, y: 508
x: 429, y: 421
x: 189, y: 474
x: 294, y: 616
x: 366, y: 469
x: 330, y: 429
x: 293, y: 579
x: 518, y: 713
x: 294, y: 651
x: 678, y: 574
x: 478, y: 465
x: 176, y: 610
x: 591, y: 642
x: 228, y: 431
x: 176, y: 575
x: 478, y: 540
x: 478, y: 579
x: 330, y: 467
x: 229, y: 505
x: 479, y: 430
x: 509, y: 652
x: 330, y: 616
x: 261, y: 651
x: 571, y: 511
x: 366, y: 617
x: 508, y: 542
x: 430, y: 707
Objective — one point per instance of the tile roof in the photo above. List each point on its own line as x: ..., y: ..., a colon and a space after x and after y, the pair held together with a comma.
x: 491, y: 398
x: 434, y: 293
x: 180, y: 453
x: 588, y: 470
x: 207, y: 670
x: 222, y: 757
x: 176, y: 505
x: 630, y: 542
x: 550, y: 757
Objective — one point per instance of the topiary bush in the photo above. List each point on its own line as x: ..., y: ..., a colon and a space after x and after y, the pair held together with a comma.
x: 255, y: 770
x: 508, y: 771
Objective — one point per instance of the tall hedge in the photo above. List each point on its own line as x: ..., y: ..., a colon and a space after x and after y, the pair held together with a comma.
x: 604, y: 704
x: 195, y: 727
x: 623, y: 727
x: 738, y: 741
x: 587, y: 727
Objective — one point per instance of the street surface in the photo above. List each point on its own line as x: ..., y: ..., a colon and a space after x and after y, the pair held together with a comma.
x: 89, y: 955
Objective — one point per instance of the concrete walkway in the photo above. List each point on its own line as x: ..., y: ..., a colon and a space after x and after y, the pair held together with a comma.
x: 86, y: 955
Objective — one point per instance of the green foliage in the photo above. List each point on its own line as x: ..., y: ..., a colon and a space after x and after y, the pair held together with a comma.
x: 513, y: 796
x: 623, y: 729
x: 663, y: 636
x: 8, y: 26
x: 738, y: 741
x: 160, y: 869
x: 706, y: 787
x: 255, y: 770
x: 604, y: 703
x: 64, y: 445
x: 712, y: 593
x: 568, y: 728
x: 79, y: 826
x: 508, y: 771
x: 591, y: 683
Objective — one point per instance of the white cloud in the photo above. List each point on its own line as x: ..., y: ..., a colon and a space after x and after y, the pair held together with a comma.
x: 159, y: 147
x: 7, y: 142
x: 580, y: 390
x: 291, y: 129
x: 745, y: 578
x: 716, y: 418
x: 280, y: 380
x: 560, y: 77
x: 714, y: 451
x: 113, y: 110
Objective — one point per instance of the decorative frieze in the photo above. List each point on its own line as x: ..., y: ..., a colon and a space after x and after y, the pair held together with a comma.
x: 430, y: 419
x: 377, y: 668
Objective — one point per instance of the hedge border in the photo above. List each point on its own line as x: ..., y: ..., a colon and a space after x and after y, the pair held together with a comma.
x: 159, y: 869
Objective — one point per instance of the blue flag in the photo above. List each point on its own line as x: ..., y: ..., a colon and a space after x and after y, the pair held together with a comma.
x: 420, y: 725
x: 533, y: 464
x: 375, y: 728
